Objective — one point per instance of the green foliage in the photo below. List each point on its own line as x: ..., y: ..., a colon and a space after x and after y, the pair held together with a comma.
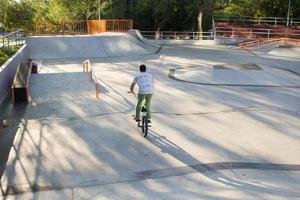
x: 243, y: 8
x: 147, y: 14
x: 6, y: 53
x: 59, y: 10
x: 3, y: 57
x: 83, y: 9
x: 262, y: 8
x: 16, y: 15
x: 164, y: 15
x: 41, y: 10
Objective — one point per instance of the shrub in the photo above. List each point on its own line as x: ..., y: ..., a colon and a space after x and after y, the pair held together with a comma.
x: 6, y: 53
x: 3, y: 57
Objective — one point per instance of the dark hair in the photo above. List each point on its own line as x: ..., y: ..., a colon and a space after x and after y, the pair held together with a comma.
x: 142, y: 68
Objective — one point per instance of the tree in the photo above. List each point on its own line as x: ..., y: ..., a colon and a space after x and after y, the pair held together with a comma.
x: 4, y: 4
x: 16, y: 15
x: 156, y: 14
x: 59, y: 10
x: 244, y: 8
x: 176, y: 15
x: 207, y: 6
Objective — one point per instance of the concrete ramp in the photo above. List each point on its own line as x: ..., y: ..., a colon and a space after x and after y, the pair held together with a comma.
x: 147, y: 43
x: 286, y: 51
x: 88, y: 46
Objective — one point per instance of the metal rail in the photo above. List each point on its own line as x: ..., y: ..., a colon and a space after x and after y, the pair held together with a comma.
x: 222, y: 32
x: 88, y: 67
x: 12, y: 39
x: 258, y: 20
x: 177, y: 35
x: 259, y: 42
x: 256, y: 32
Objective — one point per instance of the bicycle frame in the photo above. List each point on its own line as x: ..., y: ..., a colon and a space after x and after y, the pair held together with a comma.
x: 143, y: 124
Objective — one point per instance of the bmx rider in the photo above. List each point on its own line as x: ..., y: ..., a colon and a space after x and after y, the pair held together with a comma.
x: 145, y: 82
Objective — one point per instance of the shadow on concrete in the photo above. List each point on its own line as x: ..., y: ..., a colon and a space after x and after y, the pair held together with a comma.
x: 13, y: 113
x: 95, y: 146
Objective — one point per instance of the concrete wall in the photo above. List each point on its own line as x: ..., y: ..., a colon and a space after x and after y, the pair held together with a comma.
x: 55, y: 47
x: 228, y: 41
x: 8, y: 70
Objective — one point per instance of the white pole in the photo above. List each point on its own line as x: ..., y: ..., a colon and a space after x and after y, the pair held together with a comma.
x: 288, y: 14
x: 99, y: 17
x: 99, y: 9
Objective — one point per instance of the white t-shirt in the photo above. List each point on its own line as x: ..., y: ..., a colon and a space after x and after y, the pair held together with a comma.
x: 145, y: 82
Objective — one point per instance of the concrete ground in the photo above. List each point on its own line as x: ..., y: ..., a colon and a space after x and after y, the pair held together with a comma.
x: 217, y: 133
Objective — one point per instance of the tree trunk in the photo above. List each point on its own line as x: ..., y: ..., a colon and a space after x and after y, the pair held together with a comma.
x: 200, y: 29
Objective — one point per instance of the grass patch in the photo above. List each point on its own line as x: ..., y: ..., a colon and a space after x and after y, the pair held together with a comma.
x: 6, y: 53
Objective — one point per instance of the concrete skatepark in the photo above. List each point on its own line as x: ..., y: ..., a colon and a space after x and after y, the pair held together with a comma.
x: 225, y: 123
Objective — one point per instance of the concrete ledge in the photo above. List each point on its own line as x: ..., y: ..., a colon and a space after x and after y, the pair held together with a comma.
x: 8, y: 70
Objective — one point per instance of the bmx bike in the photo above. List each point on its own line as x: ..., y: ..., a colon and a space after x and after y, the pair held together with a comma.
x: 144, y: 122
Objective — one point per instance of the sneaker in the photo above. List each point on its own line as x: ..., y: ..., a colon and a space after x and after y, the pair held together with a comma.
x: 137, y: 120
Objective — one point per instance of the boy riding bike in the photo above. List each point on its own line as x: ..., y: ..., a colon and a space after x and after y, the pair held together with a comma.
x: 145, y: 82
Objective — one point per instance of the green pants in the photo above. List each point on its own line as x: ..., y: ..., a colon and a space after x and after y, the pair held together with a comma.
x: 141, y: 97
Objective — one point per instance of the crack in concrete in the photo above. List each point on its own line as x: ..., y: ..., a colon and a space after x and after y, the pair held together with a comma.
x: 206, y: 169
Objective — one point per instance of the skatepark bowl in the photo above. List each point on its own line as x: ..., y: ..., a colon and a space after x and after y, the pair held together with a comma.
x: 225, y: 122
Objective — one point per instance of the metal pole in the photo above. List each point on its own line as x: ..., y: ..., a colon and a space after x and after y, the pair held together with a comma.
x: 288, y: 14
x: 99, y: 17
x: 99, y: 10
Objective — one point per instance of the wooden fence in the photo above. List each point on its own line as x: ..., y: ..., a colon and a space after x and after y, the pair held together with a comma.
x: 81, y: 27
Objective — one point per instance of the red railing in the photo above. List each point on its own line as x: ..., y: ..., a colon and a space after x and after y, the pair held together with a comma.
x: 119, y: 25
x: 250, y: 32
x: 263, y: 41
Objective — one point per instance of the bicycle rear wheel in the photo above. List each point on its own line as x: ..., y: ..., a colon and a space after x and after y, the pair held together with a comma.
x: 144, y: 126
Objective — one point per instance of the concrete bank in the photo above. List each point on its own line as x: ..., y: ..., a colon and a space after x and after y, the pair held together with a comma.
x: 87, y: 46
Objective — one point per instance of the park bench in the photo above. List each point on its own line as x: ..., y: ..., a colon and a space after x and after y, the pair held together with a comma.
x: 20, y: 87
